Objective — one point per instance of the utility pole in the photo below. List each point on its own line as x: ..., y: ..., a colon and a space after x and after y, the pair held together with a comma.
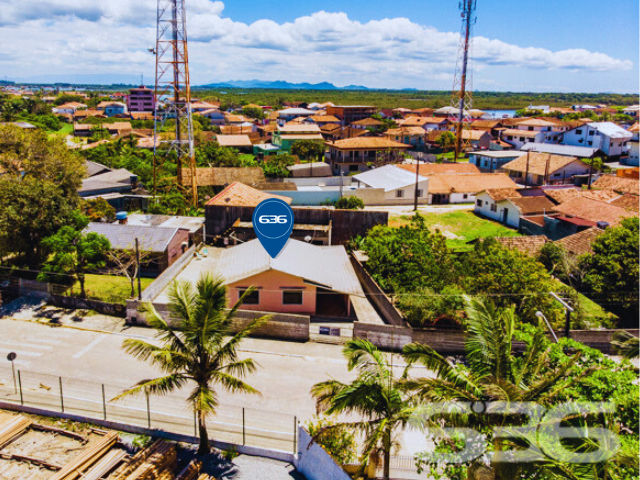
x: 138, y: 269
x: 415, y: 196
x: 526, y: 171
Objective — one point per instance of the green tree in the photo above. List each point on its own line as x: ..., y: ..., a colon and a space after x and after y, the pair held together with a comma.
x: 308, y: 149
x: 38, y: 190
x: 511, y: 277
x: 254, y: 112
x: 611, y: 273
x: 409, y: 258
x: 67, y: 97
x: 97, y: 210
x: 74, y: 252
x: 376, y: 396
x: 337, y: 439
x: 349, y: 203
x: 446, y: 141
x: 275, y: 166
x: 201, y: 349
x: 494, y: 373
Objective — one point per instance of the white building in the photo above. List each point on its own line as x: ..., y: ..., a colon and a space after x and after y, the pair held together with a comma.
x: 507, y: 206
x: 518, y: 137
x: 608, y: 137
x: 632, y: 111
x: 492, y: 160
x: 398, y: 184
x: 633, y: 159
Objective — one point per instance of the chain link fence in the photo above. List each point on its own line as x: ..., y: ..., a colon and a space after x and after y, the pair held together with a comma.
x: 171, y: 413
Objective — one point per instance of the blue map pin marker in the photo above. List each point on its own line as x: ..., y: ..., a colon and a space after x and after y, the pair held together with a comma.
x: 273, y: 224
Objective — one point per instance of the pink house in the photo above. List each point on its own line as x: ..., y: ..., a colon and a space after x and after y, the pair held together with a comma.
x: 303, y: 278
x: 141, y: 99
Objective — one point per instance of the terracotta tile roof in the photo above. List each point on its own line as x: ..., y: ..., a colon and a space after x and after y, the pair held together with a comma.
x: 499, y: 194
x: 330, y: 128
x: 519, y: 133
x: 234, y: 140
x: 535, y: 122
x: 538, y: 163
x: 581, y: 242
x: 367, y: 143
x: 468, y: 183
x: 307, y: 128
x: 415, y: 122
x: 561, y: 195
x: 402, y: 131
x: 427, y: 169
x: 224, y: 176
x: 236, y: 129
x: 532, y: 205
x: 367, y: 122
x: 240, y: 195
x: 629, y: 202
x: 324, y: 119
x: 593, y: 210
x: 635, y: 128
x: 618, y: 184
x: 142, y: 115
x: 529, y: 245
x: 485, y: 124
x: 88, y: 113
x: 473, y: 134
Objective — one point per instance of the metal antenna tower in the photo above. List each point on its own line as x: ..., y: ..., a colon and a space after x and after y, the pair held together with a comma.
x: 463, y: 79
x: 172, y: 88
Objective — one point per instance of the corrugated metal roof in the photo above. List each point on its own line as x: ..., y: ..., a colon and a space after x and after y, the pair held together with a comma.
x: 123, y: 237
x: 610, y: 129
x: 388, y: 177
x: 566, y: 150
x: 324, y: 266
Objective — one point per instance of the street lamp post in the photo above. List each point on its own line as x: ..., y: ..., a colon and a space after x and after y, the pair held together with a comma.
x: 11, y: 357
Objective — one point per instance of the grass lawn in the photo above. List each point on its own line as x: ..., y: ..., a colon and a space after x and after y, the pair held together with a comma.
x: 67, y: 129
x: 590, y: 314
x: 109, y: 288
x: 460, y: 227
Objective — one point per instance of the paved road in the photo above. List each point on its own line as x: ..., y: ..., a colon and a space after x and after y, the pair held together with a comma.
x: 88, y: 359
x: 286, y: 374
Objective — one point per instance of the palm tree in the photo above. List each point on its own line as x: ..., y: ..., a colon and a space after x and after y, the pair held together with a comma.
x: 375, y: 395
x: 494, y: 373
x: 200, y: 349
x: 625, y: 344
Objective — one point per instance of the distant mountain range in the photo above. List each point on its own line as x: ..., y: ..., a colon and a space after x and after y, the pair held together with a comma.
x: 283, y: 85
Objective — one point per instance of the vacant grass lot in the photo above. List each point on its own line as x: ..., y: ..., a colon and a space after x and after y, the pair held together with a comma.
x: 109, y: 288
x: 459, y: 227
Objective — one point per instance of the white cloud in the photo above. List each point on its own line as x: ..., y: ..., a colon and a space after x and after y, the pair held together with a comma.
x: 89, y: 36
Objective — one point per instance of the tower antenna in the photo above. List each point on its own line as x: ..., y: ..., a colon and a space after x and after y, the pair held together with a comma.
x: 173, y: 92
x: 463, y: 80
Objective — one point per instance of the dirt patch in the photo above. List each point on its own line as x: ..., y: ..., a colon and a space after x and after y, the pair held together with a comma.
x: 47, y: 446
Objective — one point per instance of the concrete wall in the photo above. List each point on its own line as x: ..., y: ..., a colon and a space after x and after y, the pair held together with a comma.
x: 386, y: 337
x: 105, y: 308
x: 314, y: 462
x: 279, y: 326
x: 309, y: 198
x: 389, y: 313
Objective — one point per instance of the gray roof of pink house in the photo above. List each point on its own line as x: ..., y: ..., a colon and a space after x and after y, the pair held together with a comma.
x: 323, y: 266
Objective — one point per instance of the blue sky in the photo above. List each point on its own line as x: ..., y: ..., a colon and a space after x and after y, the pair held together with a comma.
x: 562, y: 45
